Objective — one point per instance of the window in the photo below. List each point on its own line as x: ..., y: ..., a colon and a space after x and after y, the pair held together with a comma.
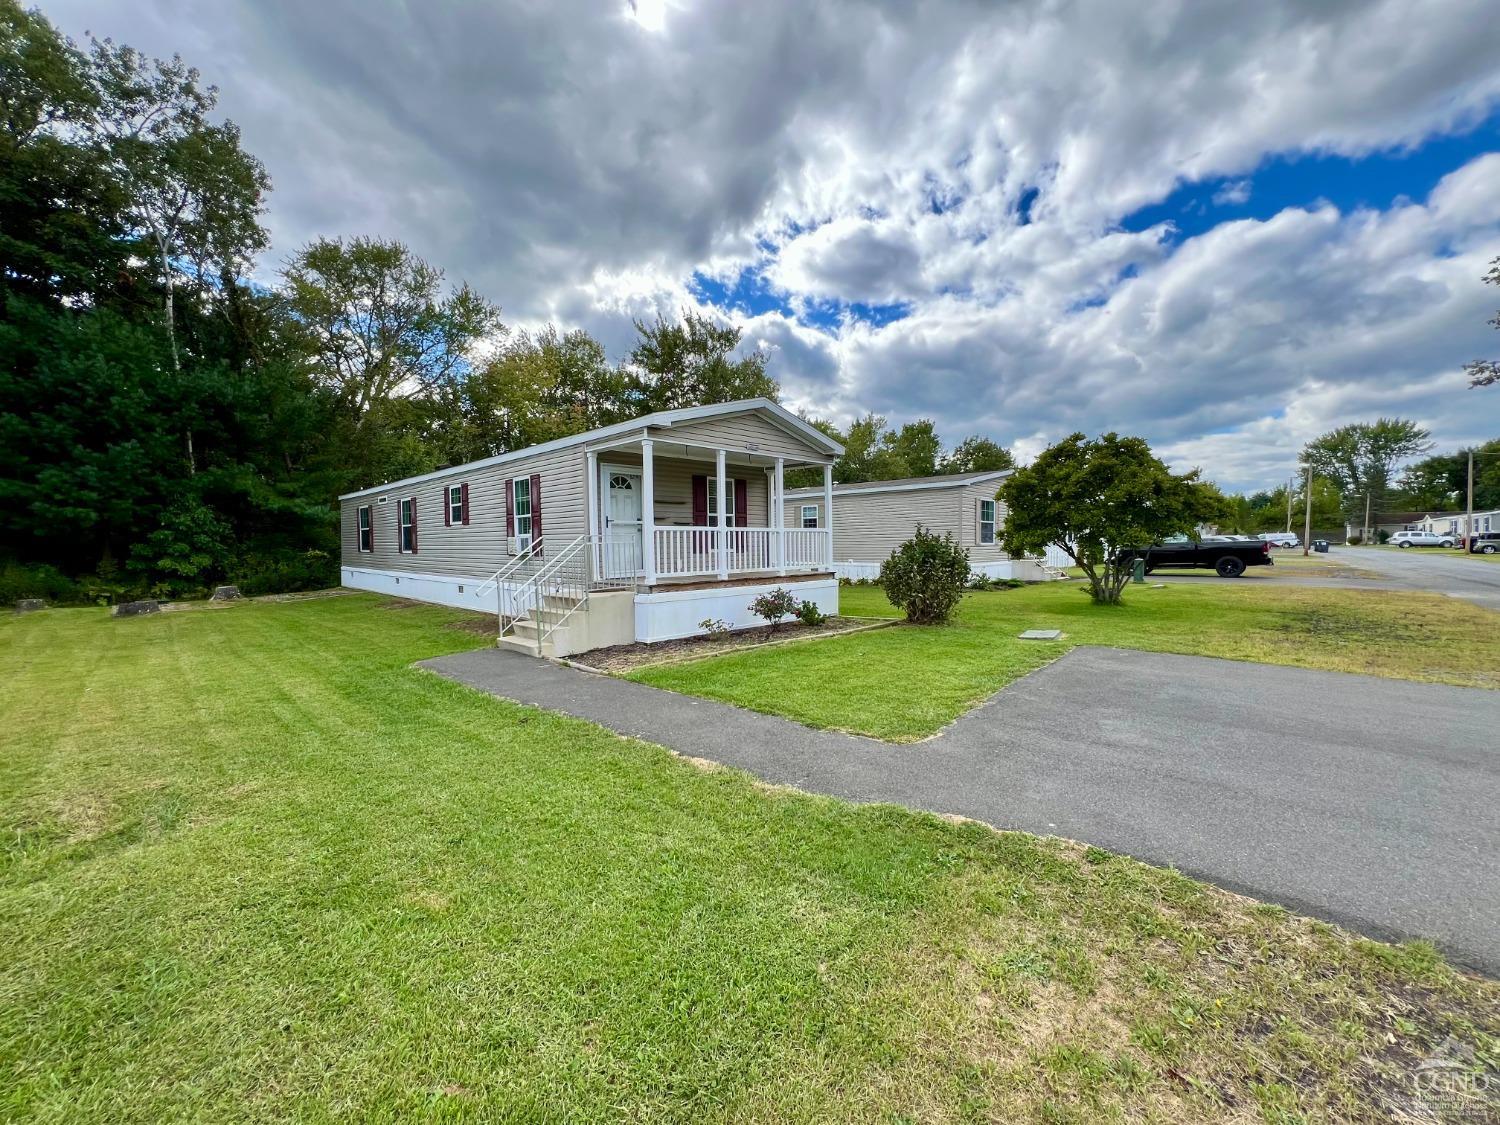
x: 455, y: 504
x: 713, y: 502
x: 366, y: 530
x: 408, y: 509
x: 522, y: 487
x: 809, y: 515
x: 986, y: 521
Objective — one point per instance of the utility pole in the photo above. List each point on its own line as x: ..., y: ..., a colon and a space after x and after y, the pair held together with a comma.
x: 1366, y: 535
x: 1469, y: 517
x: 1291, y: 490
x: 1307, y: 521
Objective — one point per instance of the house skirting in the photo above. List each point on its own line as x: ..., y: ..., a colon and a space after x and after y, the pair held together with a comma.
x: 452, y: 590
x: 668, y: 615
x: 1026, y: 570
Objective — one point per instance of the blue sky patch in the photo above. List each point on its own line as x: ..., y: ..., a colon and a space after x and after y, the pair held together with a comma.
x: 1376, y: 181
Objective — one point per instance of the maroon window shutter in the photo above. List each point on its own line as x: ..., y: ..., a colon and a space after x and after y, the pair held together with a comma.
x: 536, y: 511
x: 741, y: 503
x: 700, y: 501
x: 447, y: 509
x: 414, y: 525
x: 463, y: 501
x: 510, y: 507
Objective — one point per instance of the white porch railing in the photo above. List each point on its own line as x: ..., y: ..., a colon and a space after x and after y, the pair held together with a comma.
x: 683, y: 552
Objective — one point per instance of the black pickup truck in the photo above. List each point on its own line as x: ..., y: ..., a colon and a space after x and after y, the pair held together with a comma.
x: 1229, y: 557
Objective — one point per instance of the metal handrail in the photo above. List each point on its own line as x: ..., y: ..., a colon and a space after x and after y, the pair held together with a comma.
x: 494, y: 580
x: 531, y: 594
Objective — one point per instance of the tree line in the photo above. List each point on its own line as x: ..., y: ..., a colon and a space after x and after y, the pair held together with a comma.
x: 169, y: 418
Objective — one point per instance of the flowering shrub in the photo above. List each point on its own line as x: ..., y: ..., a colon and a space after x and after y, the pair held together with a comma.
x: 775, y: 605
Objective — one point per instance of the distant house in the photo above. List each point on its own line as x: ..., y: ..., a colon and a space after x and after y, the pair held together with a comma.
x: 639, y: 531
x: 1388, y: 522
x: 873, y: 518
x: 1454, y: 523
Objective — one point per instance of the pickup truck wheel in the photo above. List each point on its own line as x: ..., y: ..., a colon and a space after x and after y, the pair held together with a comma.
x: 1403, y: 546
x: 1487, y: 549
x: 1230, y: 567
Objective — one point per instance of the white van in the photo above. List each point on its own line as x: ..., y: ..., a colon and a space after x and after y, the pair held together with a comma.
x: 1281, y: 538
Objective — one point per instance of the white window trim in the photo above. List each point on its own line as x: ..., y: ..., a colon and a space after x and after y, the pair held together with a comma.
x: 367, y: 512
x: 403, y: 509
x: 713, y: 502
x: 983, y: 523
x: 515, y: 508
x: 813, y: 508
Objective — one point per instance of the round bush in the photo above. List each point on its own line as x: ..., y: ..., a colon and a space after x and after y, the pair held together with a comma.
x: 925, y: 576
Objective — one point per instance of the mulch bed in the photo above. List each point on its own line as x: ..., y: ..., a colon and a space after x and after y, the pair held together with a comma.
x: 625, y: 658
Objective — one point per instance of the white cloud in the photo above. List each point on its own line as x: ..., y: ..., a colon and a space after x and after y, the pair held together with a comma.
x: 580, y: 161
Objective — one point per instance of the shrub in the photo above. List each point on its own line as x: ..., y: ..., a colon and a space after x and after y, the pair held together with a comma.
x: 925, y: 577
x: 810, y: 614
x: 17, y: 581
x: 715, y: 627
x: 1383, y: 536
x: 775, y: 605
x: 284, y: 572
x: 1355, y: 540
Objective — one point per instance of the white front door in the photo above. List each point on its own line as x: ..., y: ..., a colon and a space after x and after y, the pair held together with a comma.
x: 622, y: 523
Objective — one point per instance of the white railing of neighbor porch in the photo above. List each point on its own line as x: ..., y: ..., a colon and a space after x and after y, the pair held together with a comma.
x: 808, y: 547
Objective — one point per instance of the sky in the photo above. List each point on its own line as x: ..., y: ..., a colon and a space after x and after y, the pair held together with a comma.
x: 1225, y: 227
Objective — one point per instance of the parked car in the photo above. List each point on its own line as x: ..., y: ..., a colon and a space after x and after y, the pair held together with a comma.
x: 1281, y: 538
x: 1228, y: 557
x: 1421, y: 539
x: 1484, y: 543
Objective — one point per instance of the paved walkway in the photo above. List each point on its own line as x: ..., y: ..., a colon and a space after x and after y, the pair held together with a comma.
x: 1365, y: 801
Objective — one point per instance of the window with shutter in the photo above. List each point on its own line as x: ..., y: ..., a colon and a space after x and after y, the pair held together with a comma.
x: 366, y: 529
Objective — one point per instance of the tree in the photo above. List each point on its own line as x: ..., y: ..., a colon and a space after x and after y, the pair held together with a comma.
x: 693, y: 364
x: 1440, y: 482
x: 977, y: 455
x: 191, y: 192
x: 380, y: 325
x: 1485, y: 372
x: 1091, y: 499
x: 911, y: 451
x: 1360, y: 459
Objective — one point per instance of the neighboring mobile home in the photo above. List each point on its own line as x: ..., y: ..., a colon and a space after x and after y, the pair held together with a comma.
x: 1455, y: 523
x: 639, y: 531
x: 873, y: 518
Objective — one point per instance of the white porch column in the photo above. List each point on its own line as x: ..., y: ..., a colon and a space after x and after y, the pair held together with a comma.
x: 591, y: 490
x: 648, y: 514
x: 828, y: 512
x: 722, y: 538
x: 778, y: 517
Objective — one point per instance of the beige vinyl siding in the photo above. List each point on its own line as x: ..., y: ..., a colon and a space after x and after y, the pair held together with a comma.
x: 478, y: 549
x: 969, y: 537
x: 742, y: 431
x: 867, y: 527
x: 673, y: 491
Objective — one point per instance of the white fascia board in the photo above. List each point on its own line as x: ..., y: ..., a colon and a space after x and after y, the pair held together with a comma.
x: 664, y: 419
x: 851, y: 490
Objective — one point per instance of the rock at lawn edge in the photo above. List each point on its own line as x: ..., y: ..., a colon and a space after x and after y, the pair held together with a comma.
x: 225, y: 594
x: 30, y: 605
x: 135, y: 609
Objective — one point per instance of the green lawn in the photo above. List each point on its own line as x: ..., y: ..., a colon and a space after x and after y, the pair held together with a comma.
x: 906, y: 683
x: 256, y: 866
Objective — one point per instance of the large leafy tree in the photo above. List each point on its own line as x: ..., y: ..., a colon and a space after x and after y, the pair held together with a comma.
x: 695, y: 362
x: 977, y: 454
x: 1093, y: 498
x: 380, y: 323
x: 1485, y: 372
x: 1441, y: 482
x: 1361, y: 461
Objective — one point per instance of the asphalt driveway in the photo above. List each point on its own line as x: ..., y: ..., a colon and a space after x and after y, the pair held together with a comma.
x: 1365, y: 801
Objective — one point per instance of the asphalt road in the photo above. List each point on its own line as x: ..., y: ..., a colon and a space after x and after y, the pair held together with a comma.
x: 1364, y: 801
x: 1417, y: 568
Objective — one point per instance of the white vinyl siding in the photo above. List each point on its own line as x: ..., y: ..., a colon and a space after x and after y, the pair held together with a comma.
x: 751, y: 432
x: 868, y: 526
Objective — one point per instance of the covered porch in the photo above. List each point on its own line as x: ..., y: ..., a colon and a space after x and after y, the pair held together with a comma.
x: 668, y: 512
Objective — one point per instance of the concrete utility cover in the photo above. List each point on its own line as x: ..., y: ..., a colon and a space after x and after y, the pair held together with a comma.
x: 1042, y: 635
